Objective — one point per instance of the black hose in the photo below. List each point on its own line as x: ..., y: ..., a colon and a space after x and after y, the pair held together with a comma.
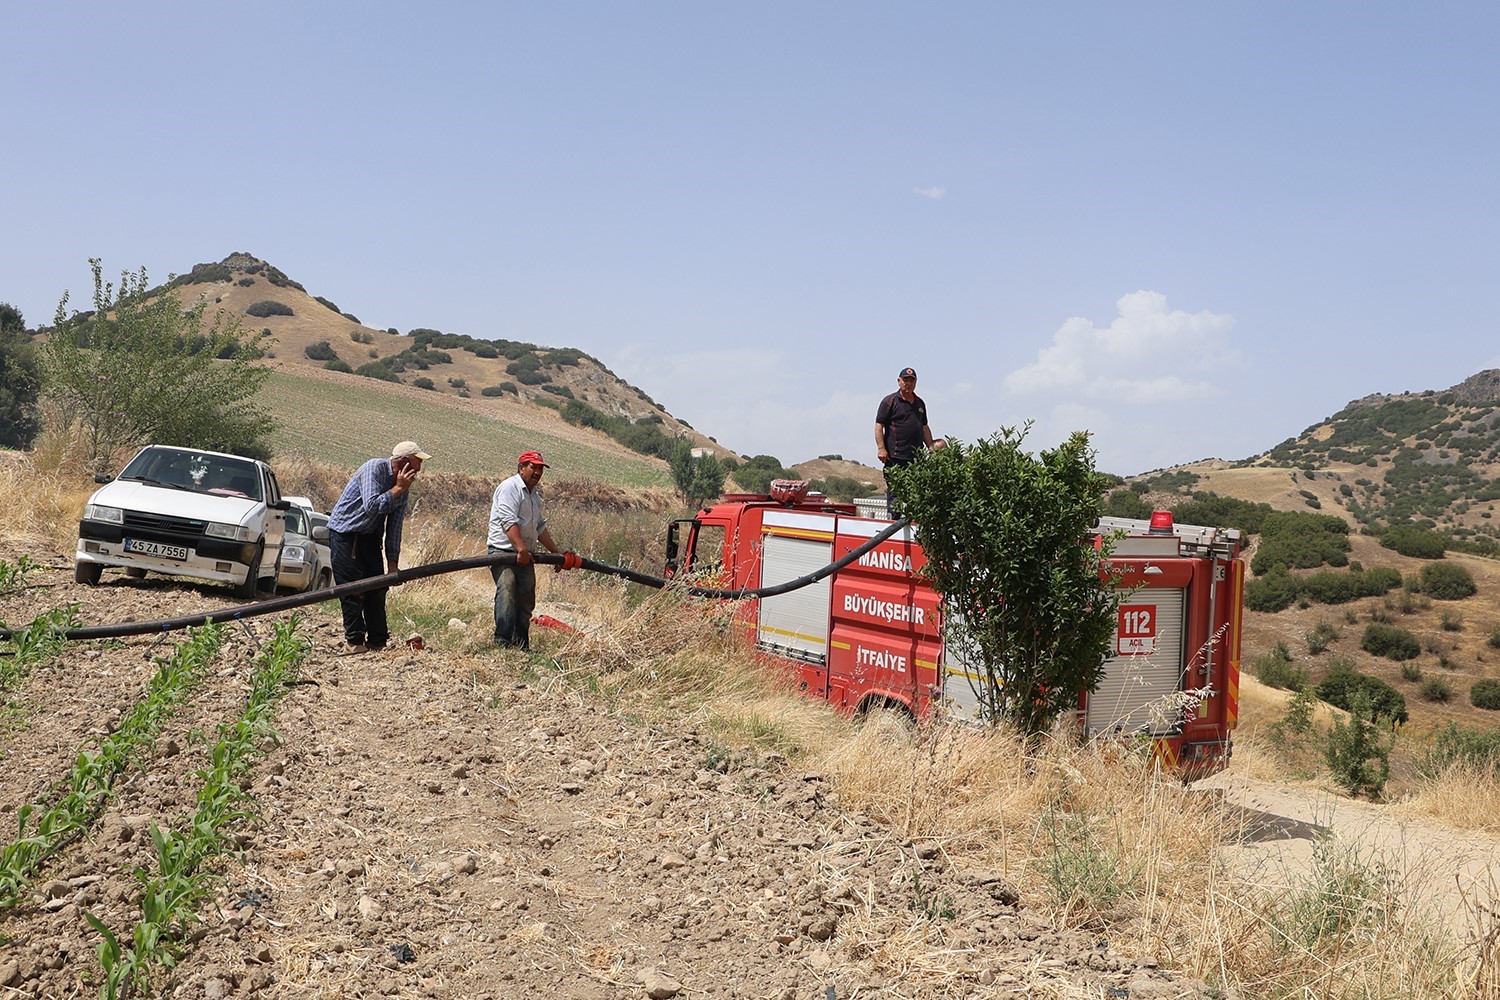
x: 278, y: 604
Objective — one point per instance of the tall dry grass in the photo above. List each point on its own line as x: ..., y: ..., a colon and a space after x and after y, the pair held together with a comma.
x: 1093, y: 836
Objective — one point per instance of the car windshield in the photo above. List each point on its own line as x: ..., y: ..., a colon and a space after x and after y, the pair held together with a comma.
x: 195, y: 472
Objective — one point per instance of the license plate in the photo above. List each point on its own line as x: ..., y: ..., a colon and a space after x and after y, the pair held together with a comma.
x: 156, y: 549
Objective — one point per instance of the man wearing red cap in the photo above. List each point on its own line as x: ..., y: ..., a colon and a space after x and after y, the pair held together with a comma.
x: 517, y: 525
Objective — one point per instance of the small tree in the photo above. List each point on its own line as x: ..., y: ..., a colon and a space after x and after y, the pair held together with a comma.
x: 1004, y: 535
x: 18, y: 380
x: 1358, y: 755
x: 139, y: 369
x: 698, y: 478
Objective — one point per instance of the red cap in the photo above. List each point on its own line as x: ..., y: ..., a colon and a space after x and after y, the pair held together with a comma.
x: 531, y: 458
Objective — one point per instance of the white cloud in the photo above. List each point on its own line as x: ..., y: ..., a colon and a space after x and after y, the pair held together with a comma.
x: 1147, y: 354
x: 935, y: 193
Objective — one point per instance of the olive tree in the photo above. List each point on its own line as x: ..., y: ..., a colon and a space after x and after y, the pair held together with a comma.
x: 1030, y: 605
x: 140, y: 369
x: 698, y: 477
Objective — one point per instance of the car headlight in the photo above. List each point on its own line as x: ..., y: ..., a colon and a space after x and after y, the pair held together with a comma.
x: 99, y: 512
x: 217, y: 529
x: 294, y: 553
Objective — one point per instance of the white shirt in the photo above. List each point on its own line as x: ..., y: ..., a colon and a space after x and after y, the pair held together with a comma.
x: 515, y: 504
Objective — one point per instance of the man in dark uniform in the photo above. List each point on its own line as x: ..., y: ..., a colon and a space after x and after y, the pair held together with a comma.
x: 901, y: 426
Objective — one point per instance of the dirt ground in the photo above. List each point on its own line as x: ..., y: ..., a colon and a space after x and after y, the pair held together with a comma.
x: 432, y: 825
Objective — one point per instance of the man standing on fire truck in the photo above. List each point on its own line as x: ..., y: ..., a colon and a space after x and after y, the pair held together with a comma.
x: 901, y: 426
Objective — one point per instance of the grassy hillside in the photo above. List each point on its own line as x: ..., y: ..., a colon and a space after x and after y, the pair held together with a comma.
x: 341, y: 420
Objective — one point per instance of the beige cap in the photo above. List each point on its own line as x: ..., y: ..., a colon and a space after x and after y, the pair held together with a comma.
x: 409, y: 449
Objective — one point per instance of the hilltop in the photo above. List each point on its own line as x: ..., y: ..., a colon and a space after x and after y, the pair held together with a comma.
x: 327, y: 362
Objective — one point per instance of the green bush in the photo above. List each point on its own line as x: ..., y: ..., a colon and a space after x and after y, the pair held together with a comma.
x: 559, y: 390
x: 1276, y: 591
x: 377, y: 369
x: 500, y: 390
x: 1410, y: 671
x: 1485, y: 694
x: 1390, y: 641
x: 268, y: 307
x: 338, y: 365
x: 423, y: 383
x: 1451, y: 621
x: 1341, y: 686
x: 1275, y: 669
x: 1494, y: 639
x: 1410, y: 540
x: 1452, y: 745
x: 1447, y: 582
x: 1321, y: 636
x: 1436, y: 689
x: 321, y: 351
x: 1359, y: 759
x: 532, y: 377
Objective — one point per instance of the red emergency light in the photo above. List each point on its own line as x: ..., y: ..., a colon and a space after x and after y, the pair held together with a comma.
x: 1161, y: 522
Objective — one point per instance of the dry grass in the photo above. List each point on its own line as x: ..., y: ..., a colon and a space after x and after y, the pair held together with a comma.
x: 1093, y: 835
x: 1462, y: 795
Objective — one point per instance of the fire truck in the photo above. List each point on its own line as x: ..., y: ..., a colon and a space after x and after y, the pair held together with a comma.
x: 871, y: 633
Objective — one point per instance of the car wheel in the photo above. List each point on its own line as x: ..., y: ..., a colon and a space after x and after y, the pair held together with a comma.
x: 87, y: 573
x: 135, y: 572
x: 325, y: 579
x: 251, y: 586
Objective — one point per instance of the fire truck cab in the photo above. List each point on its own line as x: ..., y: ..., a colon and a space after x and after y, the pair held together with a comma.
x: 872, y: 633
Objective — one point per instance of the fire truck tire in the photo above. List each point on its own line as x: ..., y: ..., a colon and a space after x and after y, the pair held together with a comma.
x: 878, y: 706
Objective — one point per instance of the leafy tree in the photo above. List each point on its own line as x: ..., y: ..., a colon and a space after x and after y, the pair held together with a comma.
x: 1390, y: 641
x: 1026, y: 599
x: 18, y: 380
x: 1410, y: 540
x: 139, y: 369
x: 756, y: 474
x: 698, y: 478
x: 1343, y: 683
x: 1356, y: 753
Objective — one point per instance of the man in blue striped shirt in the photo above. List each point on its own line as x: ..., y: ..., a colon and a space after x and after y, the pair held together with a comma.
x: 371, y: 509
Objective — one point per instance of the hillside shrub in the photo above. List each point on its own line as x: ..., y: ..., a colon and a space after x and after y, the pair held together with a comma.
x: 321, y: 351
x: 268, y: 307
x: 456, y: 382
x: 1276, y: 591
x: 423, y: 383
x: 1356, y: 754
x: 338, y: 365
x: 1410, y: 671
x: 1436, y: 689
x: 1447, y: 582
x: 1451, y: 744
x: 1409, y: 540
x: 245, y: 282
x: 1451, y: 621
x: 1275, y: 669
x: 1485, y: 694
x: 376, y: 369
x: 1494, y: 639
x: 1344, y: 682
x: 330, y: 305
x: 500, y: 390
x: 559, y: 390
x: 532, y: 377
x: 1301, y: 541
x: 1390, y: 641
x: 1321, y: 636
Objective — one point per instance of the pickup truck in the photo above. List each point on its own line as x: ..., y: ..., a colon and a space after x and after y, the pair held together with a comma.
x: 186, y: 512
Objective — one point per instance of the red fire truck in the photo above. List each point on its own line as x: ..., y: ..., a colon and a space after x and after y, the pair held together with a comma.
x: 871, y: 634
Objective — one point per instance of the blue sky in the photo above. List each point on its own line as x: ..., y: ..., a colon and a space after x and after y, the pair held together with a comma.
x: 1190, y: 229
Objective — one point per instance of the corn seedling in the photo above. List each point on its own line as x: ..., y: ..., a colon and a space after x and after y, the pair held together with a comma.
x: 41, y: 830
x: 13, y: 575
x: 180, y: 881
x: 34, y: 644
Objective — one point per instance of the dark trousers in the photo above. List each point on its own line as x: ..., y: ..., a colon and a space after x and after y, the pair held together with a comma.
x: 515, y: 599
x: 891, y: 510
x: 359, y: 557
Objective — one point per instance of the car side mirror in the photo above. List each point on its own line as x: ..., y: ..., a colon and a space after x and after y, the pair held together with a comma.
x: 282, y: 504
x: 320, y: 533
x: 103, y: 477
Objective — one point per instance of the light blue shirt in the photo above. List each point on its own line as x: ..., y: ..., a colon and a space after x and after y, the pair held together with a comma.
x: 514, y: 504
x: 367, y: 507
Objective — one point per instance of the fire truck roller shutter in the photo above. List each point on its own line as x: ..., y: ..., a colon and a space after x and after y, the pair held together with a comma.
x: 795, y: 624
x: 1147, y: 666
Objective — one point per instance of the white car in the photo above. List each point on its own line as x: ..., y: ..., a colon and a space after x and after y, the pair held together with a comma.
x: 186, y: 512
x: 306, y: 562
